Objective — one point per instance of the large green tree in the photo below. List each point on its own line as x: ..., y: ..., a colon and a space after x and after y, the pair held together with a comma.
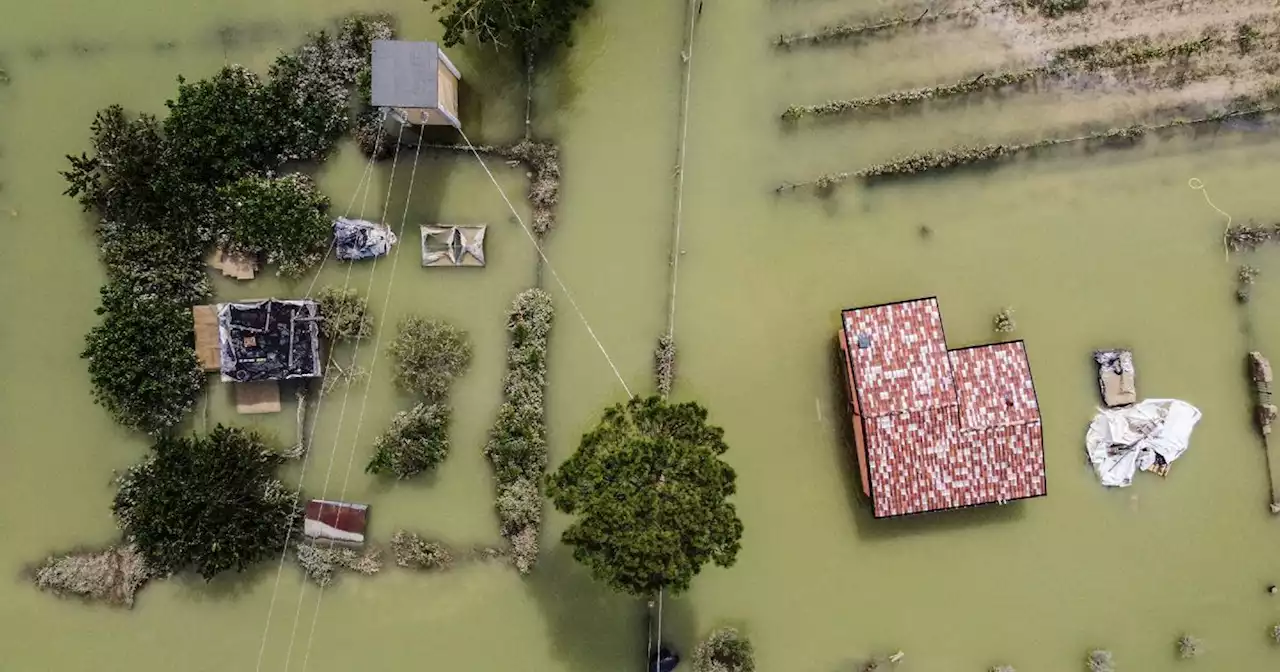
x: 207, y: 503
x: 531, y: 27
x: 650, y: 493
x: 285, y: 219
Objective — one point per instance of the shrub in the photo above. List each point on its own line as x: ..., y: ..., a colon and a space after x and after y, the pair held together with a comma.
x: 517, y: 445
x: 345, y: 313
x: 1189, y: 647
x: 417, y: 441
x: 664, y: 363
x: 142, y: 360
x: 415, y: 552
x: 725, y: 650
x: 112, y: 575
x: 429, y: 355
x: 1275, y: 633
x: 209, y: 503
x: 282, y: 218
x: 1003, y: 668
x: 1003, y: 322
x: 1100, y: 660
x: 320, y: 561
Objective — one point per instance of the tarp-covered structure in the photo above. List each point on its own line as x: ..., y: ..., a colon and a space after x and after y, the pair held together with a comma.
x: 269, y: 339
x: 1148, y: 435
x: 359, y: 239
x: 453, y: 245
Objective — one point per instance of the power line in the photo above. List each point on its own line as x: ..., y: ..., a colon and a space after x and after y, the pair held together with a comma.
x: 547, y: 262
x: 309, y: 436
x: 346, y: 395
x: 382, y: 320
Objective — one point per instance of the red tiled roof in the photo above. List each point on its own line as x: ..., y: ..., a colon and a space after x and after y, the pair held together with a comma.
x: 993, y: 385
x: 904, y: 366
x: 943, y: 429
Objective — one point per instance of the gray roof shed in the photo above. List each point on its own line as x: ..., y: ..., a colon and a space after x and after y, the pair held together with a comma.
x: 405, y: 74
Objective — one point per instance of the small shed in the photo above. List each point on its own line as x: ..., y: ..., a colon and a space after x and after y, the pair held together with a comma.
x: 416, y: 81
x: 453, y: 245
x: 269, y: 340
x: 336, y: 521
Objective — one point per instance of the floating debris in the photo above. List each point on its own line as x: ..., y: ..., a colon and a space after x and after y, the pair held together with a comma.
x: 112, y: 575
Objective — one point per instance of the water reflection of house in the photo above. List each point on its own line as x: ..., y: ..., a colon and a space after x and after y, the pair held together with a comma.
x: 416, y: 81
x: 938, y: 429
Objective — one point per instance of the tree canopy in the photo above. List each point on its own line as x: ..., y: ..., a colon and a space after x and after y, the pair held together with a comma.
x: 285, y: 219
x: 650, y: 496
x: 207, y: 503
x: 531, y: 27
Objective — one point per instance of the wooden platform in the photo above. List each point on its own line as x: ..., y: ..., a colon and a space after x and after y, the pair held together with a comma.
x: 205, y: 319
x: 238, y: 266
x: 261, y: 396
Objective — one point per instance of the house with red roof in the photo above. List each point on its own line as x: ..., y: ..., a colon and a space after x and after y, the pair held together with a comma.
x: 937, y: 429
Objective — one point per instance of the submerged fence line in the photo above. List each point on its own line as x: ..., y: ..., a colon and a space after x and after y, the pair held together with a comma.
x: 949, y: 159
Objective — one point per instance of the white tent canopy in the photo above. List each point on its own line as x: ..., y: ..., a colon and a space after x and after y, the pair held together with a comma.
x: 1148, y: 435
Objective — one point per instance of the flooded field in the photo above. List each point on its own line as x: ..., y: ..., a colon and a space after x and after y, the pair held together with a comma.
x: 1093, y: 249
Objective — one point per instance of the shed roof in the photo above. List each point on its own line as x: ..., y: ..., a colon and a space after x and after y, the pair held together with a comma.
x: 337, y: 521
x: 405, y: 74
x: 943, y: 429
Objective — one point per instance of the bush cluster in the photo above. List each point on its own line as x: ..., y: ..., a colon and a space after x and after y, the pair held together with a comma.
x: 725, y: 650
x: 517, y: 444
x: 414, y: 552
x: 429, y: 355
x: 164, y: 191
x: 112, y: 575
x: 320, y: 561
x: 417, y: 441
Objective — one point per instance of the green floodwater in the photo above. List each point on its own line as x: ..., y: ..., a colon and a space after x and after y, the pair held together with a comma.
x: 1093, y: 250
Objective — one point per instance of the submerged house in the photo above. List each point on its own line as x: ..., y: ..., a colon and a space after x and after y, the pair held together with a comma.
x: 938, y: 429
x: 335, y: 521
x: 268, y: 340
x: 416, y: 81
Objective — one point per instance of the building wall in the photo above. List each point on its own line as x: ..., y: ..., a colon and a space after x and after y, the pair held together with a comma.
x: 859, y: 439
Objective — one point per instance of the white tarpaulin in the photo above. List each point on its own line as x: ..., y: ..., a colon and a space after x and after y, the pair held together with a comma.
x: 1148, y: 435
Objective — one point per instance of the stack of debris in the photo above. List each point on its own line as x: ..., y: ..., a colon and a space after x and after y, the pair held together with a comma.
x: 358, y: 239
x: 1116, y: 377
x: 233, y: 264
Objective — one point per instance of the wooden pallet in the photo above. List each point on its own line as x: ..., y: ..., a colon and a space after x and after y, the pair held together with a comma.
x: 205, y: 319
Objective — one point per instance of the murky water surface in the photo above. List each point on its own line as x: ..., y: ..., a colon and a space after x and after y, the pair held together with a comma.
x: 1092, y: 250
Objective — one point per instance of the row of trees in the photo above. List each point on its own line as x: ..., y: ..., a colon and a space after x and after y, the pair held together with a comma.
x: 167, y: 190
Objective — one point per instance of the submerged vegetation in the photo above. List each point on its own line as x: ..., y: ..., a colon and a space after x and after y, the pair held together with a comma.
x: 950, y: 159
x: 1245, y: 278
x: 530, y: 27
x: 664, y: 363
x: 1093, y: 57
x: 649, y: 494
x: 414, y: 552
x: 417, y: 441
x: 1100, y: 660
x: 346, y: 314
x: 320, y: 560
x: 517, y: 445
x: 205, y: 503
x: 542, y: 160
x: 1003, y: 322
x: 724, y: 650
x: 112, y: 575
x: 165, y: 191
x: 429, y: 355
x: 1189, y: 647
